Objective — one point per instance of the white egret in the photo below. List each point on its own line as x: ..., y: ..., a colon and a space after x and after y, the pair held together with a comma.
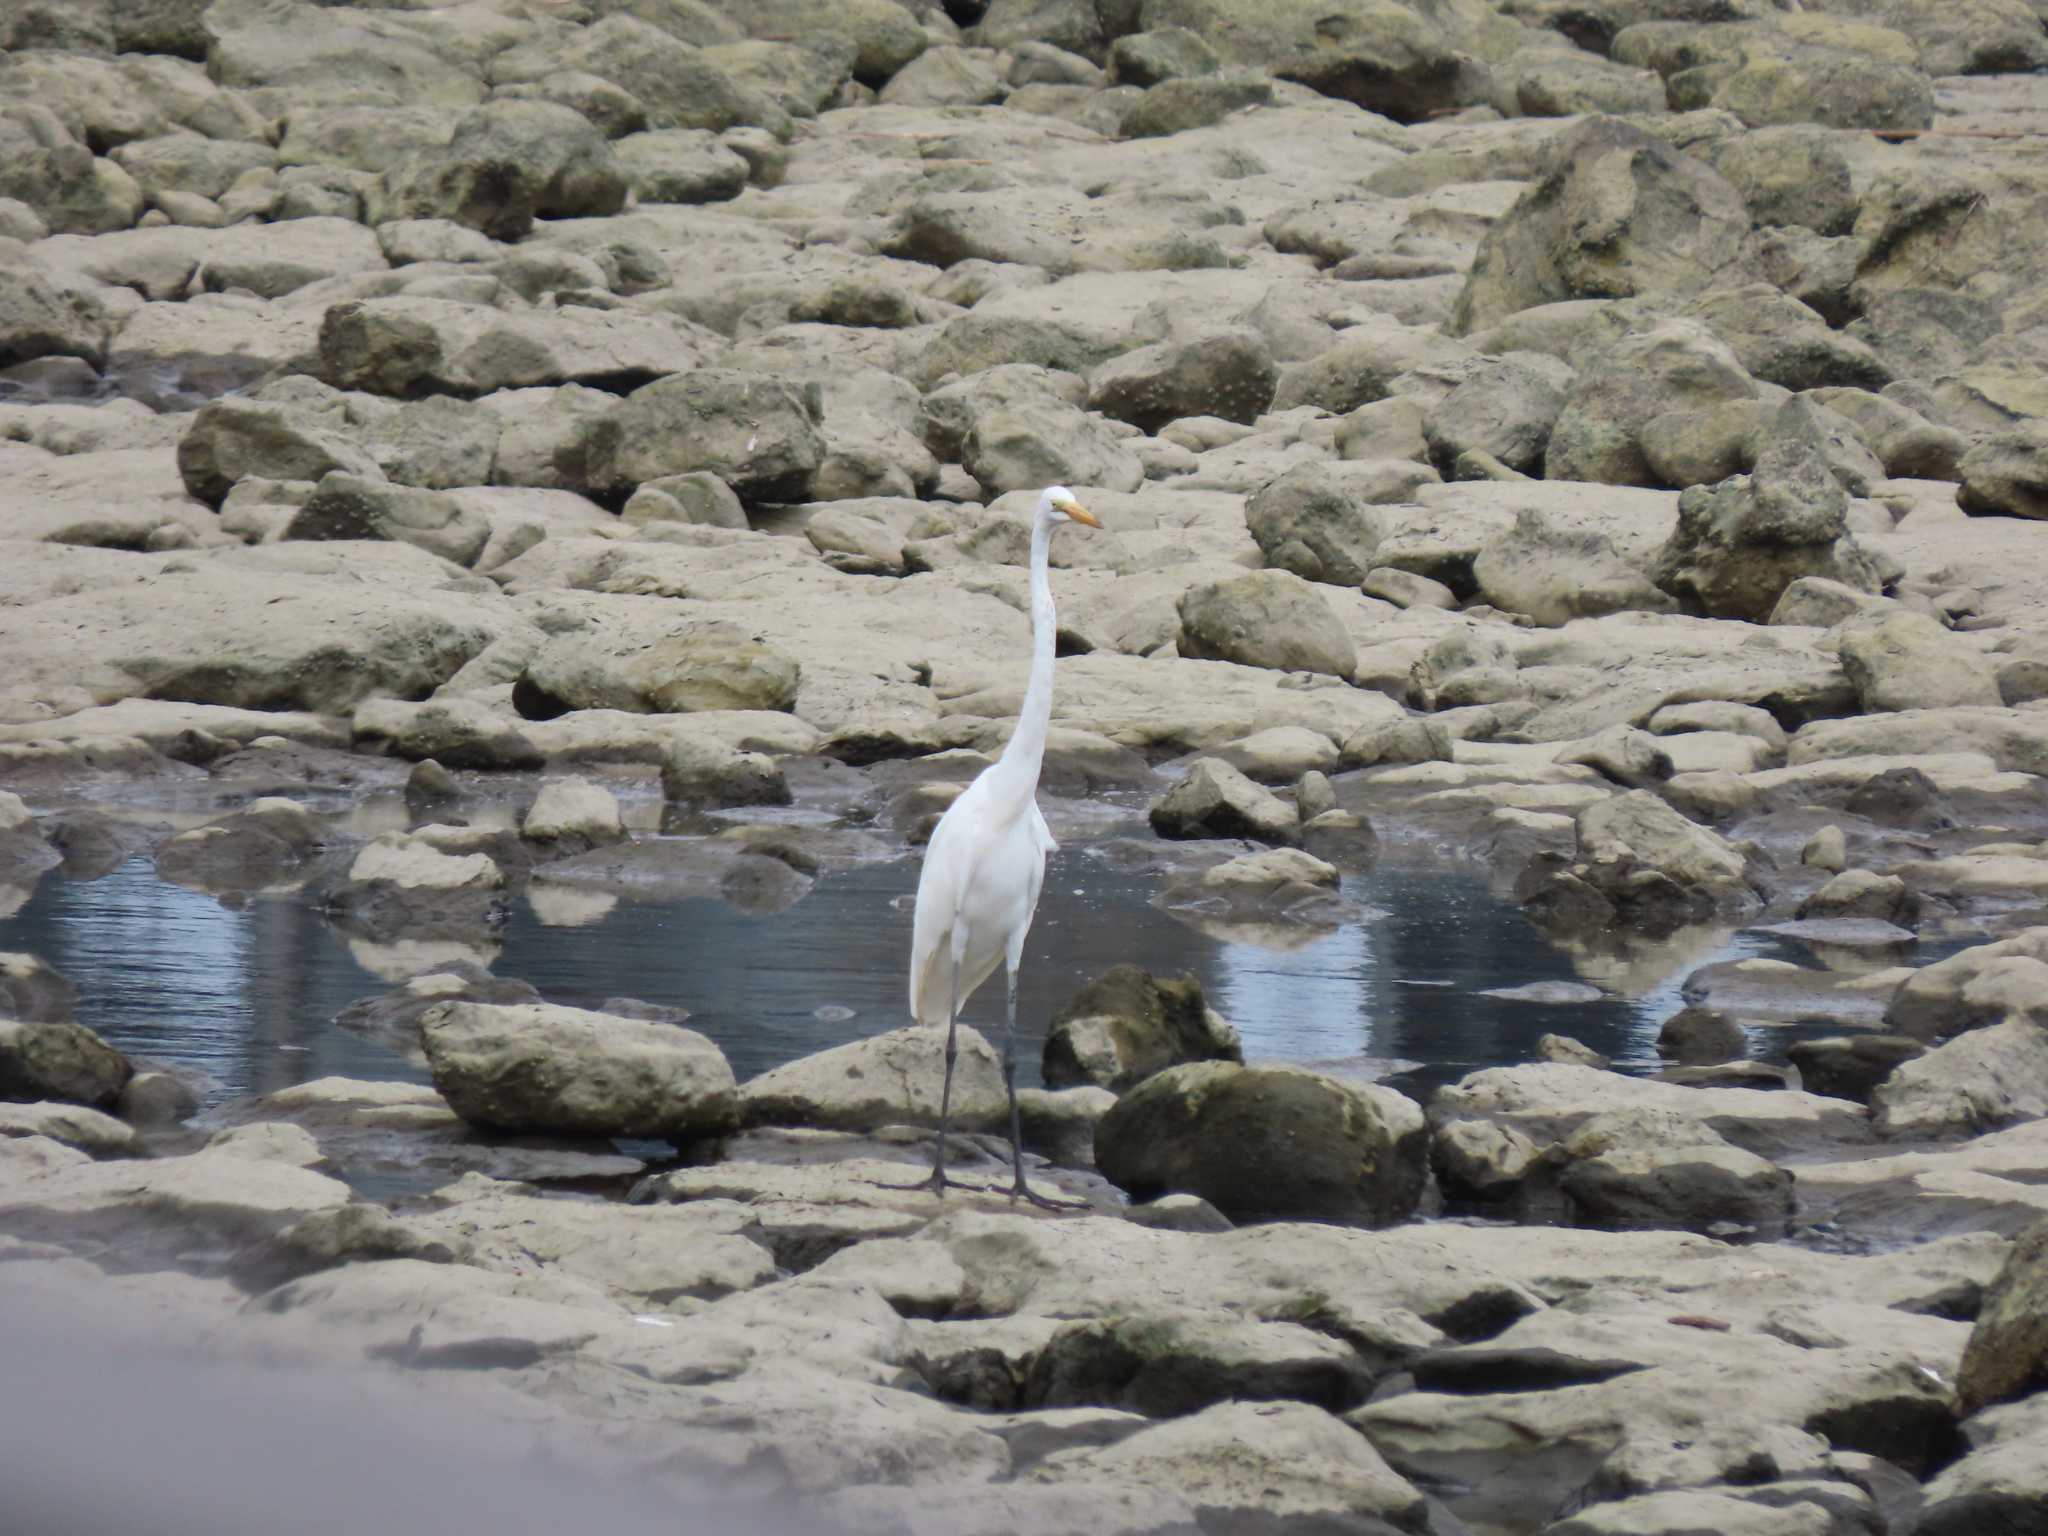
x: 985, y: 864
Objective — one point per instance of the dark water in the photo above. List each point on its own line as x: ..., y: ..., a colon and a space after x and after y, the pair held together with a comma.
x: 247, y: 993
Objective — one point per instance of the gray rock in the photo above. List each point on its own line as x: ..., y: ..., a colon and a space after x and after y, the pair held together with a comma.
x: 888, y: 1079
x: 508, y: 163
x: 1033, y: 443
x: 1482, y: 1163
x: 1165, y: 53
x: 1215, y: 800
x: 455, y: 732
x: 1319, y: 520
x: 1969, y: 989
x: 1908, y: 660
x: 1861, y: 893
x: 1267, y: 1143
x: 233, y: 438
x: 71, y: 1125
x: 758, y: 434
x: 1690, y: 1188
x: 572, y: 815
x: 2007, y: 1356
x: 1979, y: 1081
x: 1126, y: 1025
x: 1199, y: 101
x: 1665, y: 366
x: 1739, y: 545
x: 33, y: 991
x: 1165, y: 1364
x: 1505, y: 408
x: 1672, y: 227
x: 537, y: 1067
x: 1265, y: 619
x: 656, y: 664
x: 438, y: 443
x: 346, y: 506
x: 1226, y: 373
x: 1696, y: 1036
x: 1554, y: 573
x: 2007, y: 474
x: 680, y: 165
x: 698, y: 772
x: 57, y: 1060
x: 1793, y: 175
x: 1850, y: 1066
x: 266, y: 843
x: 676, y: 83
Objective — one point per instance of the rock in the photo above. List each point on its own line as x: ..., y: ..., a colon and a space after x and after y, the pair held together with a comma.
x: 1559, y: 574
x: 651, y: 663
x: 1265, y: 619
x: 1059, y: 1124
x: 1563, y: 1048
x: 354, y: 1233
x: 1215, y: 800
x: 1267, y: 1143
x: 1227, y: 373
x: 1819, y: 603
x: 1126, y: 1025
x: 572, y: 815
x: 1405, y: 740
x: 757, y: 434
x: 346, y: 506
x: 943, y: 77
x: 1317, y: 520
x: 1202, y: 101
x: 677, y: 84
x: 711, y: 773
x: 1999, y: 1481
x: 37, y: 320
x: 1792, y: 175
x: 2006, y: 473
x: 1907, y: 660
x: 1603, y: 432
x: 1249, y: 1462
x: 1969, y: 989
x: 1858, y: 893
x: 1827, y: 849
x: 538, y: 1067
x: 1481, y: 1162
x: 408, y: 345
x: 1640, y: 827
x: 698, y: 497
x: 34, y: 992
x: 680, y: 165
x: 2007, y: 1356
x: 1740, y: 544
x: 1037, y: 442
x: 1165, y: 53
x: 1850, y: 1066
x: 50, y: 1059
x: 1697, y: 1036
x: 888, y: 1079
x: 1549, y: 1101
x: 1981, y: 1080
x: 401, y: 883
x: 1618, y: 214
x: 1164, y: 1365
x: 455, y: 732
x: 1624, y: 754
x: 1505, y: 408
x: 71, y: 1125
x: 508, y: 163
x: 233, y: 438
x: 1363, y: 366
x: 264, y: 844
x: 1691, y: 1188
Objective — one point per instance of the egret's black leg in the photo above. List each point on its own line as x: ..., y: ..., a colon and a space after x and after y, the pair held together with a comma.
x: 1021, y: 1190
x: 937, y: 1182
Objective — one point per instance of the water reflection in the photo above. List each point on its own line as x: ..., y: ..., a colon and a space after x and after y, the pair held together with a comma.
x: 247, y: 993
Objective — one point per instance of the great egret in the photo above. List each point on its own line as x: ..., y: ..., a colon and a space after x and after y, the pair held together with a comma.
x: 986, y: 862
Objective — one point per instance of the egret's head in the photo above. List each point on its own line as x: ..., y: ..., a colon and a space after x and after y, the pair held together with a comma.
x: 1058, y: 503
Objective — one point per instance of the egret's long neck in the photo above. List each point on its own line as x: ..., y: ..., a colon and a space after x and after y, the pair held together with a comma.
x: 1019, y: 763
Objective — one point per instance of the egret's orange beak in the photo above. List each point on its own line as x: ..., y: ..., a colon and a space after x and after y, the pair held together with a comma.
x: 1080, y: 514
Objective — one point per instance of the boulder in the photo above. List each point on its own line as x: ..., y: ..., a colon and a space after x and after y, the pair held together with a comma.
x: 1850, y: 1066
x: 1226, y: 373
x: 1033, y: 443
x: 1165, y: 1364
x: 2007, y: 1356
x: 758, y: 434
x: 1618, y: 214
x: 676, y: 83
x: 1979, y: 1081
x: 1215, y: 800
x: 33, y: 991
x: 1697, y: 1037
x: 539, y: 1067
x: 265, y: 843
x: 346, y: 506
x: 1605, y: 430
x: 1504, y: 407
x: 1554, y: 573
x: 572, y: 815
x: 2006, y: 473
x: 887, y: 1079
x: 57, y: 1060
x: 654, y: 664
x: 1319, y: 520
x: 1740, y: 544
x: 508, y: 163
x: 1969, y: 989
x: 680, y: 165
x: 1265, y: 619
x: 402, y: 884
x: 1268, y: 1143
x: 232, y: 438
x: 1705, y: 1187
x: 700, y: 772
x: 1126, y: 1025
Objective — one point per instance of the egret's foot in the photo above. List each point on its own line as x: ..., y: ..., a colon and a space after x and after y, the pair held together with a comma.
x: 937, y: 1183
x: 1023, y: 1191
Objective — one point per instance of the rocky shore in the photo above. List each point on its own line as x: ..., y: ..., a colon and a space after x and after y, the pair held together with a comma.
x: 579, y: 451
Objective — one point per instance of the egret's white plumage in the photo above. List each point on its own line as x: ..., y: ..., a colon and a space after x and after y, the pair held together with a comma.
x: 985, y: 863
